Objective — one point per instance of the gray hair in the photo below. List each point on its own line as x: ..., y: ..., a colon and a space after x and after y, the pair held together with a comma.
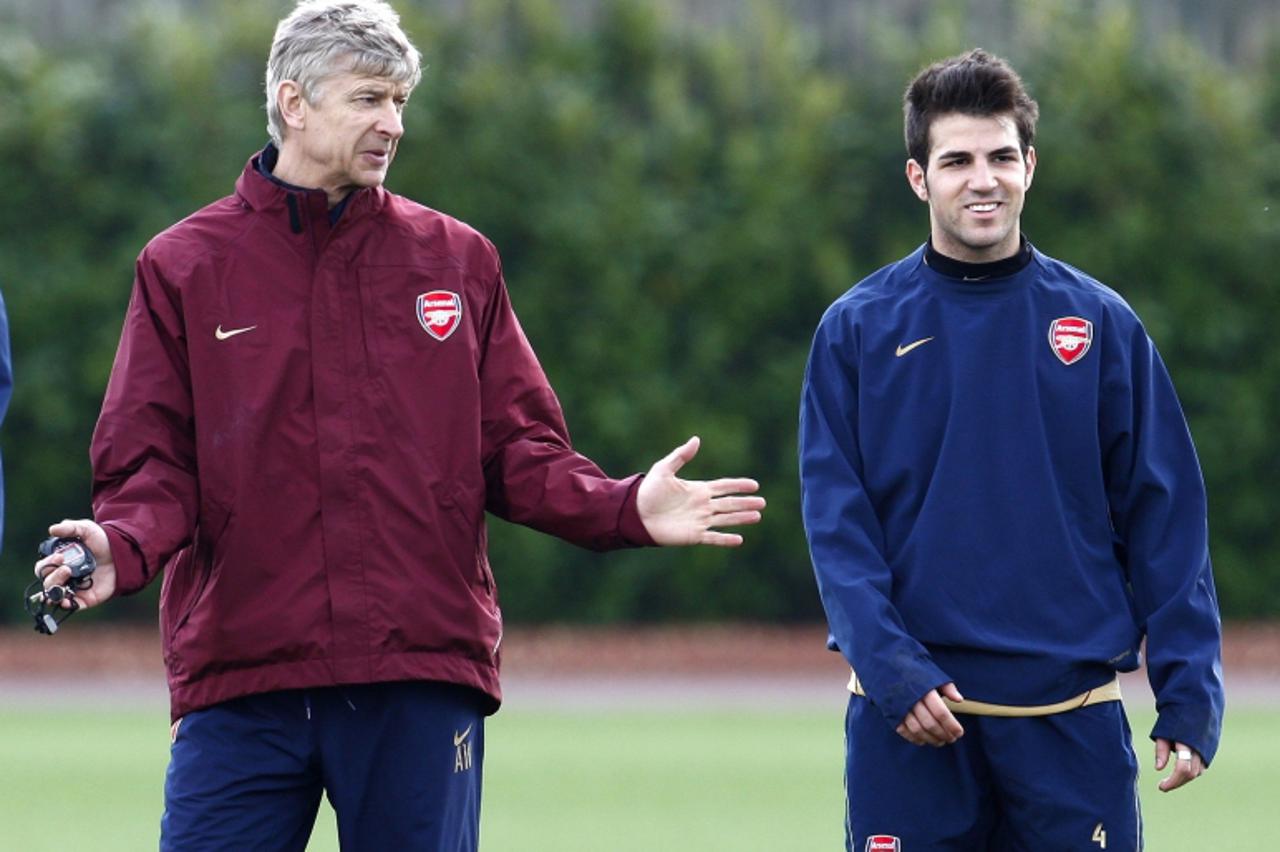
x: 321, y: 38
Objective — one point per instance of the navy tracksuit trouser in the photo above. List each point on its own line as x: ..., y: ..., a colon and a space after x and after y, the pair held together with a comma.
x: 1042, y: 784
x: 400, y: 762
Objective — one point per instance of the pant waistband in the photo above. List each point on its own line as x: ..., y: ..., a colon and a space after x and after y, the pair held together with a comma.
x: 1097, y: 695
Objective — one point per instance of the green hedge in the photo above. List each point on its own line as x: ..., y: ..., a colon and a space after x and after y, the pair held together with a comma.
x: 675, y: 207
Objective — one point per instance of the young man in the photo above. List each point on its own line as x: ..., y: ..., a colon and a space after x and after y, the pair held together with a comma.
x: 320, y: 389
x: 1001, y: 499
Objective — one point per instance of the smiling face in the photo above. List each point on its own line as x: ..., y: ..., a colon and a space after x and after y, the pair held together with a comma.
x: 975, y: 185
x: 346, y: 139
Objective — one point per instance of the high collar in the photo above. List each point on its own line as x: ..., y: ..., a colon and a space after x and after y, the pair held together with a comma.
x: 985, y: 288
x: 965, y: 271
x: 298, y: 209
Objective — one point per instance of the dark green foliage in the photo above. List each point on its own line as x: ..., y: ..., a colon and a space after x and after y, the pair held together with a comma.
x: 675, y: 208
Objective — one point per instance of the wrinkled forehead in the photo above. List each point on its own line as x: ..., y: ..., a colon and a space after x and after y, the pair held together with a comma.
x: 352, y: 79
x: 974, y: 134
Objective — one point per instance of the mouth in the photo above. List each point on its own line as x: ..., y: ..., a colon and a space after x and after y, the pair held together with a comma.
x: 982, y: 207
x: 377, y: 156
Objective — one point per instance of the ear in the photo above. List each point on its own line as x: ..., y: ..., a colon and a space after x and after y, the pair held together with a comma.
x: 918, y: 180
x: 292, y: 105
x: 1031, y: 167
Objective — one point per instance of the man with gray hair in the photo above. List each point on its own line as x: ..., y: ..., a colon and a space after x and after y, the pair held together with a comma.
x: 320, y: 389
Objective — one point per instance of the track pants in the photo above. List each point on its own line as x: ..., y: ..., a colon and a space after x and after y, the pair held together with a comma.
x: 400, y: 762
x: 1040, y: 784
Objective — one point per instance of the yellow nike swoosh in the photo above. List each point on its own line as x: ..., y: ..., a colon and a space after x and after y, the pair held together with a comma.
x: 903, y: 350
x: 223, y: 335
x: 460, y: 738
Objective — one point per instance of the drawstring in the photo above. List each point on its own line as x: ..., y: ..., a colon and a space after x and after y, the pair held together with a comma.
x: 295, y: 220
x: 306, y: 702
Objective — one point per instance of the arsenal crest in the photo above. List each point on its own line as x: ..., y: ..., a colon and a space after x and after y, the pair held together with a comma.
x: 883, y: 843
x: 440, y: 313
x: 1070, y: 338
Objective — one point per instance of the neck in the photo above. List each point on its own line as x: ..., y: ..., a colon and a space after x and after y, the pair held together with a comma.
x: 293, y: 168
x: 956, y: 250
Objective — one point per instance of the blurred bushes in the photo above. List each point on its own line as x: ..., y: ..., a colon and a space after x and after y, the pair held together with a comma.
x: 675, y: 208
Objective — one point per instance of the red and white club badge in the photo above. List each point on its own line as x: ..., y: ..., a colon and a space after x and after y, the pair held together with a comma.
x: 1070, y: 338
x: 440, y: 313
x: 883, y: 843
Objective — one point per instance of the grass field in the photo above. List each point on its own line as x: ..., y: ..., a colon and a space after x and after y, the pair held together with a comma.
x: 604, y: 781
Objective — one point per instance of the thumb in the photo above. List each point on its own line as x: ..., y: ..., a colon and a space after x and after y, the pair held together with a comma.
x: 1162, y: 753
x: 67, y: 529
x: 949, y: 691
x: 678, y: 457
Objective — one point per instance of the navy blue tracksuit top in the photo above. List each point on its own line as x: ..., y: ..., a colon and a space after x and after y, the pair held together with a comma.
x: 1000, y: 490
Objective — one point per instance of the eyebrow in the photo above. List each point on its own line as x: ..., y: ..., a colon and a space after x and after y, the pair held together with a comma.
x: 998, y: 152
x: 378, y: 88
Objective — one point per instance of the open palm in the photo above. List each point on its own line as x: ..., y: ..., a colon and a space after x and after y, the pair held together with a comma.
x: 682, y: 512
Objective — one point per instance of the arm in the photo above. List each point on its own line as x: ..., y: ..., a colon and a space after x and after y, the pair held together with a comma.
x: 6, y: 372
x: 6, y: 390
x: 846, y: 540
x: 534, y: 477
x: 1158, y: 508
x: 145, y: 490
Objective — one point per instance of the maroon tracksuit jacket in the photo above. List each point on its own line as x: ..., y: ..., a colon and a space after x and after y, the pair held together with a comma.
x: 304, y: 426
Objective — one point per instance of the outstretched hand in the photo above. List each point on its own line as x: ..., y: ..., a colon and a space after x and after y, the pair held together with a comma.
x: 680, y: 511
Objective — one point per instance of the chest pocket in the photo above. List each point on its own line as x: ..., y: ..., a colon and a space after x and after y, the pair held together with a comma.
x: 416, y: 318
x: 423, y: 352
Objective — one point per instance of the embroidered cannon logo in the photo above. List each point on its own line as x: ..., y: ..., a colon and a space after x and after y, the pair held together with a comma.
x: 440, y: 313
x: 1070, y: 338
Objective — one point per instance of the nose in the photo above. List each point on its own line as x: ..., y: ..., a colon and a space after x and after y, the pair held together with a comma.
x: 981, y: 177
x: 390, y: 122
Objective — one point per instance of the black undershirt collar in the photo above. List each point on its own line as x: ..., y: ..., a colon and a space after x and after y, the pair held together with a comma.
x: 963, y: 271
x: 266, y: 167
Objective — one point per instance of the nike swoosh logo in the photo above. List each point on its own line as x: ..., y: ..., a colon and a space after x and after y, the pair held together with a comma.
x: 903, y: 350
x: 223, y: 335
x: 460, y: 738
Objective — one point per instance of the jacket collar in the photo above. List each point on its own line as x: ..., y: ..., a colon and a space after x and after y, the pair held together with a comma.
x: 298, y: 209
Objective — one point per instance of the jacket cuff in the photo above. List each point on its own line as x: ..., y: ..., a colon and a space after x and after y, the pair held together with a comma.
x: 897, y: 701
x: 1186, y: 725
x: 630, y: 527
x: 131, y: 575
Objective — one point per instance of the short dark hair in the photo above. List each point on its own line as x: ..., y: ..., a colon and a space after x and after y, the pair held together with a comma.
x: 973, y: 83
